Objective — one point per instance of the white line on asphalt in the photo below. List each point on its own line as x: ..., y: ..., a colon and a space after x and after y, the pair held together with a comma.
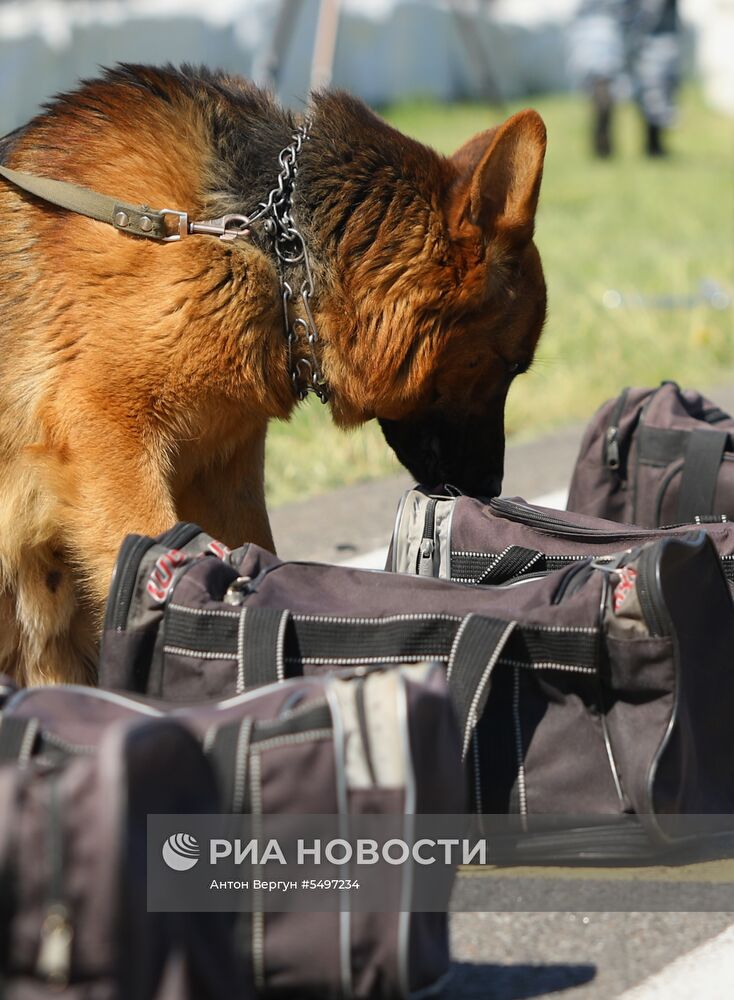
x: 368, y: 560
x: 706, y: 972
x: 376, y: 558
x: 556, y: 500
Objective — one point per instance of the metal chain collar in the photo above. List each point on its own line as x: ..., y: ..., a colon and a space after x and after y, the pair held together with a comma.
x: 290, y: 249
x: 276, y: 214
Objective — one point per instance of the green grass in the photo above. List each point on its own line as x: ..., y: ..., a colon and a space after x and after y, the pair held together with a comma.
x: 631, y: 224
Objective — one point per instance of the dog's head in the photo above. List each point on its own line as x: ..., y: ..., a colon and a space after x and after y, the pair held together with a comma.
x: 449, y: 299
x: 457, y: 436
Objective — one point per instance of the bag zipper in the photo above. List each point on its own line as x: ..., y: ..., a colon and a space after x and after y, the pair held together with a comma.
x: 54, y: 955
x: 523, y: 514
x: 428, y: 543
x: 611, y: 438
x: 123, y: 580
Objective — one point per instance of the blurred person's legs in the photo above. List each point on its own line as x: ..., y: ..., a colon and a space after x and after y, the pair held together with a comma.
x: 597, y: 60
x: 652, y: 46
x: 602, y: 98
x: 621, y: 44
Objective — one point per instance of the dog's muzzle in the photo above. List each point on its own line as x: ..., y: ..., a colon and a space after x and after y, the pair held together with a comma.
x: 468, y: 455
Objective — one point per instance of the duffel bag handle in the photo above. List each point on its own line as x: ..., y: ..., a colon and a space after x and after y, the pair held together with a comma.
x: 261, y: 647
x: 228, y: 748
x: 715, y: 415
x: 516, y: 560
x: 17, y: 739
x: 703, y: 457
x: 477, y: 648
x: 253, y: 637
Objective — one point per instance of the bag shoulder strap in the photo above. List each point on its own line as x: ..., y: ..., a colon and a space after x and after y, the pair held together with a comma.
x: 715, y: 415
x: 261, y: 647
x: 702, y: 461
x: 228, y: 747
x: 477, y: 648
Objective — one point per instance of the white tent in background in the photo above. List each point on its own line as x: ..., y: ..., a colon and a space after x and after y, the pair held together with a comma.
x: 382, y: 50
x: 469, y: 18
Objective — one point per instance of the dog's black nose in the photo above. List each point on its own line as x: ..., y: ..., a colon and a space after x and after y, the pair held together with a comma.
x: 490, y: 486
x: 480, y: 484
x: 438, y: 452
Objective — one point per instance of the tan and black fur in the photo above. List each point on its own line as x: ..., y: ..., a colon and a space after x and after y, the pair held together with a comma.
x: 137, y: 379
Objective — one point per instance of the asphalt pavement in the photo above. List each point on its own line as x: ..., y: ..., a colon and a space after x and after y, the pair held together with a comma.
x: 342, y: 524
x: 564, y: 952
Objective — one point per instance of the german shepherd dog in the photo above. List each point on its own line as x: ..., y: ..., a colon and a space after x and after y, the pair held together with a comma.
x: 137, y: 378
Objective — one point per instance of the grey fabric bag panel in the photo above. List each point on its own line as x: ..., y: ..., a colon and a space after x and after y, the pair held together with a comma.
x: 656, y: 457
x: 603, y: 689
x: 484, y: 542
x: 380, y: 742
x: 73, y: 911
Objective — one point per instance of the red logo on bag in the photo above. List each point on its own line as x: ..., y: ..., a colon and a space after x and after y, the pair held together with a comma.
x: 161, y: 578
x: 219, y: 549
x: 627, y: 582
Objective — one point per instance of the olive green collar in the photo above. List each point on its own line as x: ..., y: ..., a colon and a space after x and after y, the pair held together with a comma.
x: 289, y: 245
x: 135, y: 220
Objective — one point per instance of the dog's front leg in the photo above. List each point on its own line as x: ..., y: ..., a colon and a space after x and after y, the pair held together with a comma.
x: 100, y: 482
x: 227, y: 496
x: 49, y: 632
x: 109, y: 485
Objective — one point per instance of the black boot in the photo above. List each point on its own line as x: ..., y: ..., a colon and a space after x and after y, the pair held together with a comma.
x: 602, y: 104
x: 654, y: 146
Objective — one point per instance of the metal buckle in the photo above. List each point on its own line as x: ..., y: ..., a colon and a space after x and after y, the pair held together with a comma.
x: 183, y: 225
x: 227, y: 227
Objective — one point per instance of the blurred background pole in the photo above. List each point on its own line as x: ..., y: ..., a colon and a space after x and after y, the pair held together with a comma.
x: 266, y: 69
x: 468, y: 18
x: 322, y: 64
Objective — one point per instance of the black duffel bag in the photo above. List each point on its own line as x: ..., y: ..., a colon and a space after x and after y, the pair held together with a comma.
x: 654, y: 457
x: 340, y: 746
x: 601, y: 689
x: 74, y: 919
x: 474, y: 541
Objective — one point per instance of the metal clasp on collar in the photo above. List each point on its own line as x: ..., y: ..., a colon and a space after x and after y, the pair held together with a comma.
x: 183, y: 225
x: 227, y: 227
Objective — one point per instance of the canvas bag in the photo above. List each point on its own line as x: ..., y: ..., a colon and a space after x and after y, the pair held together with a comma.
x: 389, y: 735
x: 656, y: 457
x: 602, y: 689
x: 482, y: 542
x: 73, y: 916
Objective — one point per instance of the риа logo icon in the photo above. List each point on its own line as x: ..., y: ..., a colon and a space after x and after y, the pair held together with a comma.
x: 181, y: 852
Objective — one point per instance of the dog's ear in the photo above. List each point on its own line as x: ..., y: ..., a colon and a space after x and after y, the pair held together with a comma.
x: 502, y: 170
